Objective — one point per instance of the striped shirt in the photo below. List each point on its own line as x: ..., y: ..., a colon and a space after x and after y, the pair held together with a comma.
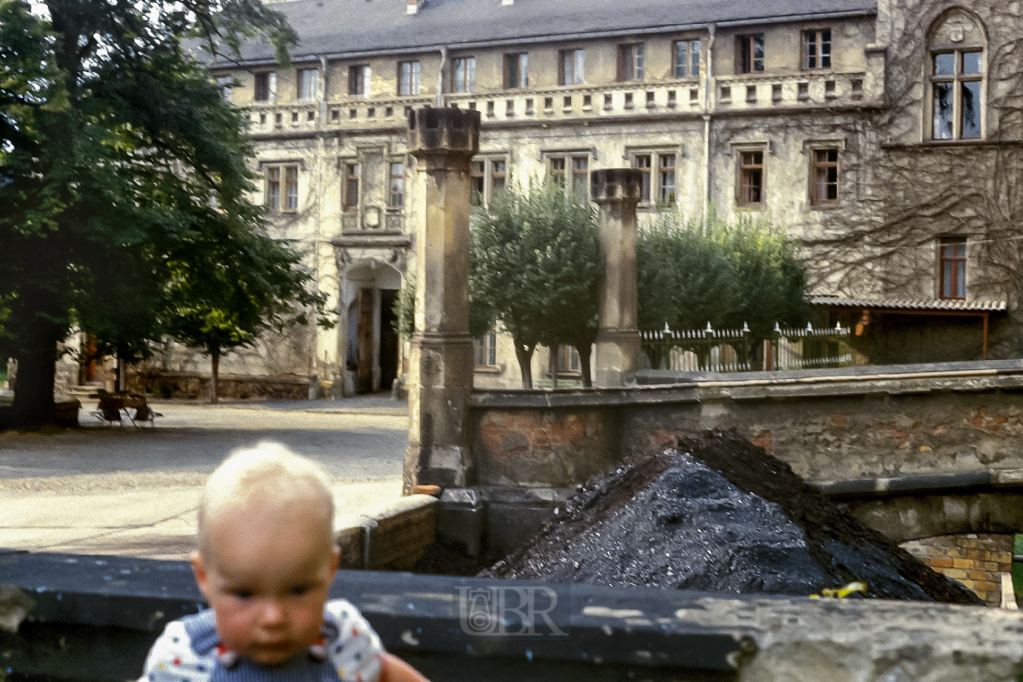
x: 189, y: 651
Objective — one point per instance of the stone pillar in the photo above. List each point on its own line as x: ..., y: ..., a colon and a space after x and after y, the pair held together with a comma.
x: 441, y: 364
x: 617, y: 191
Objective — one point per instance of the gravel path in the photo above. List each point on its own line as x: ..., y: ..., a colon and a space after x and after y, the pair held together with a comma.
x: 118, y: 490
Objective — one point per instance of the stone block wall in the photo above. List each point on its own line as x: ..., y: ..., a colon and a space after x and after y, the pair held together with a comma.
x: 974, y: 560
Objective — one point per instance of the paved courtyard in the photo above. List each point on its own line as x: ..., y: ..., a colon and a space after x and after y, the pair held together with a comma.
x: 120, y: 490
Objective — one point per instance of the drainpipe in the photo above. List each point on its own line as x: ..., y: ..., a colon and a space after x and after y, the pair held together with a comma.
x: 323, y: 89
x: 708, y: 91
x: 440, y: 75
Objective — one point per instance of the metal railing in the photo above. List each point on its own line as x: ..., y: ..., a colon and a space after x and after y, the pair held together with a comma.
x: 739, y: 350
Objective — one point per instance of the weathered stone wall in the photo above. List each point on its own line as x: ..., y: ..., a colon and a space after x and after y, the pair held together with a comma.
x: 192, y: 386
x: 826, y: 427
x: 975, y: 560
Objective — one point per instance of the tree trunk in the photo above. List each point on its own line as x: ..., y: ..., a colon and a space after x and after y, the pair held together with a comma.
x: 524, y: 354
x: 33, y: 393
x: 214, y: 374
x: 585, y: 351
x: 552, y: 365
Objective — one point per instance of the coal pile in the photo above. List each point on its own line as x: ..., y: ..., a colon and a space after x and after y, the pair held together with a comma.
x: 718, y: 514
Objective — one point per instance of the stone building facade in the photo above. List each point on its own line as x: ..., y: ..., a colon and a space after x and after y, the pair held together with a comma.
x: 809, y: 112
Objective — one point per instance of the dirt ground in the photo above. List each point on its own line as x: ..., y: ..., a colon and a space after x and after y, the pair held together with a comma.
x: 718, y: 514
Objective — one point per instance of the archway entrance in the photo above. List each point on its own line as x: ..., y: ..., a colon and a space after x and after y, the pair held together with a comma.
x: 371, y: 344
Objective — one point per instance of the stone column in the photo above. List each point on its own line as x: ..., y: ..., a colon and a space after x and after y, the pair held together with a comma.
x: 441, y: 364
x: 617, y: 191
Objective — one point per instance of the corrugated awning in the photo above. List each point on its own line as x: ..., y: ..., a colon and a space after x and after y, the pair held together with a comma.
x: 894, y: 304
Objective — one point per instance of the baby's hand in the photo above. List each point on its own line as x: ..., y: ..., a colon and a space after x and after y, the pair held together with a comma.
x: 393, y: 669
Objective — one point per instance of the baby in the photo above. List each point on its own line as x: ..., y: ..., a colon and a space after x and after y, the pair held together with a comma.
x: 265, y: 560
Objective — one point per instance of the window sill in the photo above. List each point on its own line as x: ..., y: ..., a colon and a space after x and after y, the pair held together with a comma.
x: 825, y: 205
x: 488, y: 369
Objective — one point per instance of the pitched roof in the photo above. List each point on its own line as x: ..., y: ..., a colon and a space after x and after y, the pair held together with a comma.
x: 340, y: 28
x: 937, y: 305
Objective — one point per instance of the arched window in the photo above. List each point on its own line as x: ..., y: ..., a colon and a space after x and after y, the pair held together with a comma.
x: 956, y: 69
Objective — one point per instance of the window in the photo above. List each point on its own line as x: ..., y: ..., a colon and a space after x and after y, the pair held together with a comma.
x: 516, y: 70
x: 824, y: 184
x: 358, y: 80
x: 751, y: 178
x: 570, y: 171
x: 463, y: 74
x: 484, y: 350
x: 666, y: 179
x: 656, y: 187
x: 486, y: 177
x: 572, y: 67
x: 266, y: 87
x: 308, y: 83
x: 224, y: 85
x: 642, y: 162
x: 750, y: 53
x: 953, y: 267
x: 568, y: 360
x: 408, y: 78
x: 631, y: 62
x: 396, y: 186
x: 687, y: 58
x: 817, y: 49
x: 281, y: 188
x: 351, y: 186
x: 957, y: 79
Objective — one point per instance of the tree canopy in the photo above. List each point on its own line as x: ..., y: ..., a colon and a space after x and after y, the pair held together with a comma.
x: 690, y: 273
x: 123, y: 184
x: 535, y: 267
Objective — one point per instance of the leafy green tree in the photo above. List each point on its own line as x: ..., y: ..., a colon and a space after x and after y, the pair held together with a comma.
x: 118, y: 157
x: 535, y: 267
x: 726, y: 274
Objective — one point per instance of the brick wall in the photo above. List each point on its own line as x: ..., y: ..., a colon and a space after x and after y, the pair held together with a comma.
x: 974, y: 560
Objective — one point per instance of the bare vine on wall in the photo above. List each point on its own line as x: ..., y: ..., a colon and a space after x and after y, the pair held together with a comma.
x: 906, y: 191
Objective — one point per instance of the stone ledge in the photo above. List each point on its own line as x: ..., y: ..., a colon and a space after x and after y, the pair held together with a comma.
x: 95, y: 617
x: 394, y: 537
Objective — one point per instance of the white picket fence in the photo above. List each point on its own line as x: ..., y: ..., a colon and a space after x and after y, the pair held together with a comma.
x: 730, y: 350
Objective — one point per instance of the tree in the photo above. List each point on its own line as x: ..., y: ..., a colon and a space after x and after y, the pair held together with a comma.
x: 693, y: 273
x: 535, y: 267
x: 119, y: 163
x: 214, y: 304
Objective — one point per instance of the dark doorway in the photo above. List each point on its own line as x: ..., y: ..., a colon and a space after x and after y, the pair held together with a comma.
x: 388, y: 339
x: 364, y: 370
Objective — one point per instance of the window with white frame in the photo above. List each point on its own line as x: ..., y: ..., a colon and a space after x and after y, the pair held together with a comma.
x: 686, y: 58
x: 308, y: 83
x: 484, y: 350
x: 571, y: 67
x: 487, y: 175
x: 409, y: 75
x: 266, y: 87
x: 463, y: 74
x: 281, y: 189
x: 817, y: 49
x: 956, y: 68
x: 658, y: 183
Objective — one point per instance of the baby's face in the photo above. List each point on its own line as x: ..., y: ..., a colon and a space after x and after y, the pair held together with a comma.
x: 267, y: 580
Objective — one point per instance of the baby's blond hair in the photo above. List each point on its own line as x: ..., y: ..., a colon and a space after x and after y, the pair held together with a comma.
x: 267, y: 475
